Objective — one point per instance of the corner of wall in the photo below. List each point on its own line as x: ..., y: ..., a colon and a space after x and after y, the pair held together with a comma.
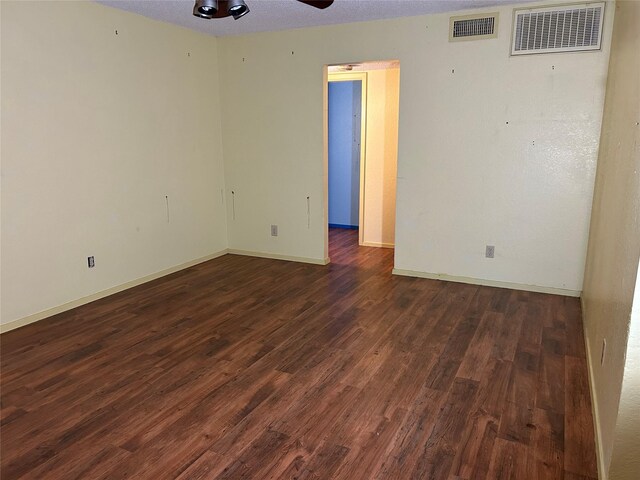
x: 602, y: 473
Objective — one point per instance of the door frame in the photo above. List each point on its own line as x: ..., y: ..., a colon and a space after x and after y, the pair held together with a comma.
x: 350, y: 77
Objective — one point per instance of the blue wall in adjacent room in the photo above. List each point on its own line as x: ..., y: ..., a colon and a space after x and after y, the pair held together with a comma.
x: 344, y: 152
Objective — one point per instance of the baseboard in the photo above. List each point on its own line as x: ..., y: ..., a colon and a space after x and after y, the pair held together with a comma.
x: 379, y: 245
x: 21, y: 322
x: 277, y: 256
x: 339, y: 225
x: 602, y: 473
x: 488, y: 283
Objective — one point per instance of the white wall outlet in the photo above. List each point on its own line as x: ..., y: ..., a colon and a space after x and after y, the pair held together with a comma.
x: 490, y: 251
x: 91, y: 262
x: 274, y: 230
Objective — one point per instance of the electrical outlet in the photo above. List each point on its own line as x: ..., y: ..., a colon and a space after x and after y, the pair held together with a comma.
x: 490, y: 251
x: 274, y: 230
x: 604, y: 350
x: 91, y: 262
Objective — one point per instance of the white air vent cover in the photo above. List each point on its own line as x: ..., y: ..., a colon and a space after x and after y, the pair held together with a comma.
x: 473, y: 27
x: 568, y: 28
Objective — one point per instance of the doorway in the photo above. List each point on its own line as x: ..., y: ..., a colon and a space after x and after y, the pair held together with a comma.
x: 361, y: 145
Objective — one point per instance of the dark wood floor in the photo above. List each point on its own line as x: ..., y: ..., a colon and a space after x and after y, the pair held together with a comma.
x: 252, y: 368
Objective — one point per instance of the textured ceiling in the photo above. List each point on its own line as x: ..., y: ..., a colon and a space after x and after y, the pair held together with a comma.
x: 269, y: 15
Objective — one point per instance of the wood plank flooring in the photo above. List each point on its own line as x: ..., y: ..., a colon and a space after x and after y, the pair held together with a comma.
x: 248, y: 368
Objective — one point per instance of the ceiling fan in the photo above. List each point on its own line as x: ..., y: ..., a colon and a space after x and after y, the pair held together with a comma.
x: 237, y: 8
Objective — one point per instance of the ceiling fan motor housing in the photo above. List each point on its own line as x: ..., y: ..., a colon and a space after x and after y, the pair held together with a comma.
x: 209, y: 9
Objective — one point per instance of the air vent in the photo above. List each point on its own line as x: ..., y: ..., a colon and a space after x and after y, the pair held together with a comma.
x: 473, y: 27
x: 570, y: 28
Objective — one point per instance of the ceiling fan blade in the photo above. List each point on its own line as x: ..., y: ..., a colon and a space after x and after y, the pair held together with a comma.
x: 317, y: 3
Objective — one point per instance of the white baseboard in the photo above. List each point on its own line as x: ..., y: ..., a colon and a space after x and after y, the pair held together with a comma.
x: 104, y: 293
x: 602, y: 473
x: 277, y: 256
x: 488, y: 283
x: 379, y: 245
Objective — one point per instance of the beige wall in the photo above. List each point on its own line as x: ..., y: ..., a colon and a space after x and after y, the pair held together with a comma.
x: 614, y: 243
x: 96, y: 129
x: 492, y: 149
x: 382, y: 157
x: 99, y: 127
x: 625, y: 461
